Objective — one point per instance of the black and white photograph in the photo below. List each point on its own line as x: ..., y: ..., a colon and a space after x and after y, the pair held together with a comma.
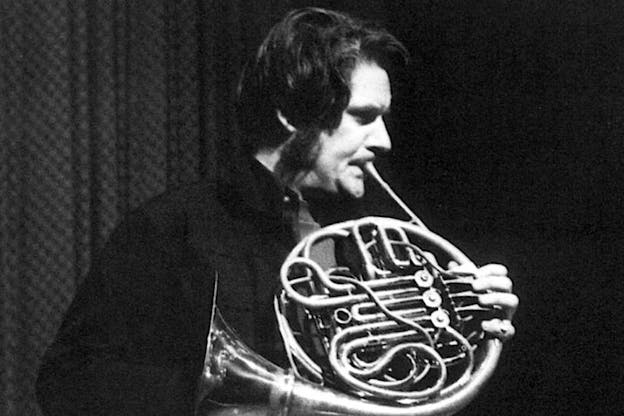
x: 297, y: 208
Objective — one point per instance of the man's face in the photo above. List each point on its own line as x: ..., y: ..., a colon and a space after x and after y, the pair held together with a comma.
x: 342, y: 153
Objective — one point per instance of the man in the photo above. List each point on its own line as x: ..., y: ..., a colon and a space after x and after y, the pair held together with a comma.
x: 311, y: 106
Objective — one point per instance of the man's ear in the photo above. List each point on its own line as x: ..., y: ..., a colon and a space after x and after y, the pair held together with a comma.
x: 285, y: 122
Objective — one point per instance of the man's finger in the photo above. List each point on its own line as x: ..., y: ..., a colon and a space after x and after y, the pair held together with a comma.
x: 506, y: 301
x: 468, y: 267
x: 492, y: 269
x: 494, y: 283
x: 501, y: 329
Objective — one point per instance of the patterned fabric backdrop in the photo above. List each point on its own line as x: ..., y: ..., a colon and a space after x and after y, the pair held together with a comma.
x: 103, y: 104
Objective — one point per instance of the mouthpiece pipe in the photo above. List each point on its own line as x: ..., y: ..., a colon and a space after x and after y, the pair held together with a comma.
x: 372, y: 172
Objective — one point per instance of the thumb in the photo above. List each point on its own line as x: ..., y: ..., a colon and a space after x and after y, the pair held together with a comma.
x: 468, y: 267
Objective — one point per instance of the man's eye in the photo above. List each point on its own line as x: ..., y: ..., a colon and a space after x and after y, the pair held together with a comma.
x: 365, y: 118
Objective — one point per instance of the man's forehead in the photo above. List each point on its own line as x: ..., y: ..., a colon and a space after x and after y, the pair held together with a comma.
x: 370, y: 88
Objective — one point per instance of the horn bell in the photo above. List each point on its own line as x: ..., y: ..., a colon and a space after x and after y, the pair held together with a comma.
x: 236, y: 381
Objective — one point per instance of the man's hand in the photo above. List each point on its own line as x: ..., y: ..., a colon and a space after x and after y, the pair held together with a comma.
x: 494, y: 288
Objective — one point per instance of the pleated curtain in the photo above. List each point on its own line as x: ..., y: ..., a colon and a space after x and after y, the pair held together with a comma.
x: 103, y: 104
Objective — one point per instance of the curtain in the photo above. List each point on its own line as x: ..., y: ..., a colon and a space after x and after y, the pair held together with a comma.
x: 103, y: 105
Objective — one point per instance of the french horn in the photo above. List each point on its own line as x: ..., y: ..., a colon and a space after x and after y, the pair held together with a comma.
x: 371, y: 325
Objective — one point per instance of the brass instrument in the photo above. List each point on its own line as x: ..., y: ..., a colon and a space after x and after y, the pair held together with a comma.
x: 376, y: 327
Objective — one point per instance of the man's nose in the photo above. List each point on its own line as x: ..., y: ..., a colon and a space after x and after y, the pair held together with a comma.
x: 379, y: 139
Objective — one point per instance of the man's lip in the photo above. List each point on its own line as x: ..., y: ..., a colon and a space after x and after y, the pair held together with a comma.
x: 362, y: 164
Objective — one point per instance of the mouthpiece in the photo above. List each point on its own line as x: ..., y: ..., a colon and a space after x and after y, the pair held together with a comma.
x: 372, y: 172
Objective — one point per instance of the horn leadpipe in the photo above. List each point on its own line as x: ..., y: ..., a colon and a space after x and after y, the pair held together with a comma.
x: 372, y: 172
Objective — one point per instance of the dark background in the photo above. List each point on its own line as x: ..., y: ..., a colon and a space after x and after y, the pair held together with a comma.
x: 506, y: 129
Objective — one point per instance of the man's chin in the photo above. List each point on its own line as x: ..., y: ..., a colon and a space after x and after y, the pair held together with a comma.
x: 352, y: 190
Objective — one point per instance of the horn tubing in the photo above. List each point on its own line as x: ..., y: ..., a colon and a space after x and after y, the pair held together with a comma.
x: 311, y: 399
x: 273, y: 391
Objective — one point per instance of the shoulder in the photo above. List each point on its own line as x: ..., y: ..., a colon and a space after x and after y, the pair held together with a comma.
x: 176, y: 203
x: 167, y: 218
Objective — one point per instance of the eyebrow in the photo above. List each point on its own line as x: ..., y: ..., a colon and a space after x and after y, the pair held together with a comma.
x: 365, y: 109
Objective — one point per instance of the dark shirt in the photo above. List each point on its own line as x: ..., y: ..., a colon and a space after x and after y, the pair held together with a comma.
x: 134, y: 338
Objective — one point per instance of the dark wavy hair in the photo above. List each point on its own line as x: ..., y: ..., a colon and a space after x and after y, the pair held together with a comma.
x: 303, y: 68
